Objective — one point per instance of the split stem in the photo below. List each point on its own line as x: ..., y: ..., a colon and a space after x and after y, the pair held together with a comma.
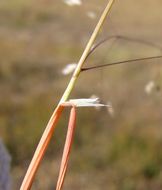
x: 46, y: 137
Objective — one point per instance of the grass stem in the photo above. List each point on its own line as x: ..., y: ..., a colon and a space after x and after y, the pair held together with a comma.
x: 46, y: 137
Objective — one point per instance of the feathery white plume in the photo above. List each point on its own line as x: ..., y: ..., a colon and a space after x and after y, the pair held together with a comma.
x: 85, y: 102
x: 73, y: 2
x: 91, y: 14
x: 149, y: 87
x: 69, y: 68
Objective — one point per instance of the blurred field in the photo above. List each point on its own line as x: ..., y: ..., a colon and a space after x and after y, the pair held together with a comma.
x: 37, y: 39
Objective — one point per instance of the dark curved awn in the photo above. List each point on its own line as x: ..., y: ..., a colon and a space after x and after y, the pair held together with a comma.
x: 118, y: 37
x: 121, y: 62
x: 125, y: 61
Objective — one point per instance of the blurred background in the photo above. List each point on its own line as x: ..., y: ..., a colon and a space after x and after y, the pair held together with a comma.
x: 115, y: 149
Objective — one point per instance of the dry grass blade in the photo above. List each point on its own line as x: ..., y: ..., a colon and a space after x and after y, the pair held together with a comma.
x: 67, y: 148
x: 42, y: 146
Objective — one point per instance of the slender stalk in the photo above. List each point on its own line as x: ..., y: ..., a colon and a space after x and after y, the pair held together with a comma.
x: 86, y: 52
x: 45, y: 139
x: 40, y: 151
x: 67, y: 148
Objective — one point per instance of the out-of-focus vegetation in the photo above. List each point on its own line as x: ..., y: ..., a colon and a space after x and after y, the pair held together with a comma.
x: 37, y: 39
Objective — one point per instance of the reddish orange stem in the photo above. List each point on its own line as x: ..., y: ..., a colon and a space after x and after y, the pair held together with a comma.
x: 40, y: 151
x: 67, y: 148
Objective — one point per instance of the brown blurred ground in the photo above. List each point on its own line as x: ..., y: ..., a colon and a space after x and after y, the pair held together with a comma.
x: 37, y: 39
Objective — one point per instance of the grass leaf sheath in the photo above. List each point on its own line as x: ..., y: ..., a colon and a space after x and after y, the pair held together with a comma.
x: 67, y: 148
